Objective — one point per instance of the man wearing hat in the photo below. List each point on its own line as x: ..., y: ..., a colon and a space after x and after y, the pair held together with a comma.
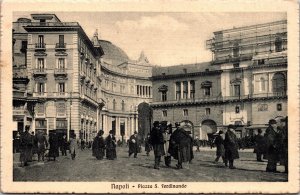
x: 110, y: 141
x: 157, y: 141
x: 272, y: 142
x: 283, y: 146
x: 219, y: 142
x: 231, y: 146
x: 133, y: 145
x: 99, y: 146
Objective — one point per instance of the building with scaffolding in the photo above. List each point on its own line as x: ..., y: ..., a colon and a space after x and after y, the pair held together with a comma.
x: 245, y: 83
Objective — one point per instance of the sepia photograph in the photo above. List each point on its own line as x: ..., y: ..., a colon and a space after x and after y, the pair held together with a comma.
x: 150, y: 100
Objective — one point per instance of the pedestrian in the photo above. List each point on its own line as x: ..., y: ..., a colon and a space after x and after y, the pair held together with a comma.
x: 259, y: 145
x: 167, y: 135
x: 54, y: 144
x: 148, y: 146
x: 82, y: 143
x: 133, y: 145
x: 181, y: 144
x: 99, y: 146
x: 157, y: 141
x: 110, y: 141
x: 17, y: 143
x: 26, y: 143
x: 34, y: 147
x: 219, y: 142
x: 272, y: 142
x: 197, y: 143
x: 42, y: 144
x: 73, y: 144
x: 231, y: 146
x: 283, y: 148
x: 64, y: 145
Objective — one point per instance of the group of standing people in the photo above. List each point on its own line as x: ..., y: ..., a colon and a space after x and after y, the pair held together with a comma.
x: 101, y: 146
x: 227, y: 148
x: 178, y: 144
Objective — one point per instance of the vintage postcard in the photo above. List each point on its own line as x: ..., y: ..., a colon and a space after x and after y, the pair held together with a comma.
x: 154, y: 97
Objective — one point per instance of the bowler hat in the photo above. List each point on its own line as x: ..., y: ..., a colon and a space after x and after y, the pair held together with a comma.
x: 111, y: 132
x: 135, y: 132
x: 272, y: 121
x: 101, y: 132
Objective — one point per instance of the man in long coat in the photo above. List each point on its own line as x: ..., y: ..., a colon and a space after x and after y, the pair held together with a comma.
x: 54, y: 145
x: 231, y: 146
x: 167, y: 135
x: 219, y: 142
x: 259, y: 145
x: 148, y: 146
x: 157, y: 141
x: 64, y: 145
x: 110, y: 141
x: 99, y: 146
x: 272, y: 142
x: 42, y: 144
x: 181, y: 143
x: 283, y: 148
x: 26, y: 142
x: 133, y: 145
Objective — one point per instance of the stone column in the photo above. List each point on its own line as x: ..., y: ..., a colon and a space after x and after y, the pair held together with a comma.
x: 136, y: 123
x: 181, y: 90
x: 189, y: 90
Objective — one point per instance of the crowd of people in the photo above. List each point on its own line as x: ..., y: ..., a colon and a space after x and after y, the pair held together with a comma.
x: 166, y: 142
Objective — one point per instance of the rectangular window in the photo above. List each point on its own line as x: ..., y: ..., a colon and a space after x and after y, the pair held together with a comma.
x: 41, y: 123
x: 178, y: 91
x: 164, y: 113
x: 41, y: 64
x: 207, y: 91
x: 61, y: 124
x: 185, y: 89
x: 61, y: 88
x: 164, y: 96
x: 61, y: 63
x: 207, y: 111
x: 237, y: 109
x: 279, y: 107
x: 41, y: 88
x: 237, y: 90
x: 185, y: 112
x: 40, y: 41
x: 192, y: 92
x: 24, y: 46
x: 61, y: 40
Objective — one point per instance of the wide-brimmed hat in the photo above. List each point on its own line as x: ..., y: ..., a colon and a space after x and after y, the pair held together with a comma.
x: 101, y: 132
x: 272, y: 121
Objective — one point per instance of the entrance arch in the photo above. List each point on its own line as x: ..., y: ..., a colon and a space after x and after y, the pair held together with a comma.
x: 208, y: 128
x: 144, y: 119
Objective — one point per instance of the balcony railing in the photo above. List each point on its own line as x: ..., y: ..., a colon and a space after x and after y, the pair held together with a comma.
x: 60, y: 71
x: 60, y: 46
x: 53, y: 24
x: 39, y: 71
x: 39, y: 94
x: 40, y: 46
x: 20, y: 73
x: 221, y: 98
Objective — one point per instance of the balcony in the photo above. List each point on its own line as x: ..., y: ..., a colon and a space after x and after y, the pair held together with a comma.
x: 230, y: 59
x: 270, y: 95
x: 203, y: 100
x: 20, y: 74
x: 39, y: 94
x: 52, y: 24
x: 60, y: 46
x: 19, y: 111
x: 60, y: 72
x: 39, y: 72
x: 40, y: 47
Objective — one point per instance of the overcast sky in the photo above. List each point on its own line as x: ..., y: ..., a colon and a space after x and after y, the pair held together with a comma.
x: 166, y: 38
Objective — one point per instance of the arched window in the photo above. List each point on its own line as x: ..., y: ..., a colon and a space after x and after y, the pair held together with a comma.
x: 114, y: 104
x: 278, y: 44
x: 262, y: 84
x: 123, y: 105
x: 279, y: 83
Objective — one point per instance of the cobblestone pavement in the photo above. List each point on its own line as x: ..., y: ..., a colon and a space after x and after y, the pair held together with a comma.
x: 202, y: 169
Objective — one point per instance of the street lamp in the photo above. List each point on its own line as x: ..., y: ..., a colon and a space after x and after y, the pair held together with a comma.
x: 70, y: 122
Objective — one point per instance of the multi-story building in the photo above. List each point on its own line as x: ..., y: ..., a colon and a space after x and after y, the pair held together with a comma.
x: 70, y: 83
x: 248, y: 87
x: 126, y: 90
x: 63, y: 71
